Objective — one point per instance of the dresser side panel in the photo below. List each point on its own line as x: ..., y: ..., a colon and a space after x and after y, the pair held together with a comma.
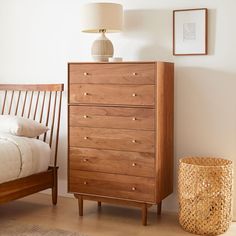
x: 165, y: 129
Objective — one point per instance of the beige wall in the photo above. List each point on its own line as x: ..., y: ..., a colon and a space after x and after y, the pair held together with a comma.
x: 39, y: 37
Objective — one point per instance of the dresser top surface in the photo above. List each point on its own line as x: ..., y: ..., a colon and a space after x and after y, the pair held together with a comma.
x: 123, y: 62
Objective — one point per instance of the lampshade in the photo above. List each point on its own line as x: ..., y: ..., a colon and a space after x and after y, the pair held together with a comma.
x: 102, y: 16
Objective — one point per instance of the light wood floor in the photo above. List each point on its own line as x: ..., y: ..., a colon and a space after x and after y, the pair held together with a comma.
x: 111, y: 220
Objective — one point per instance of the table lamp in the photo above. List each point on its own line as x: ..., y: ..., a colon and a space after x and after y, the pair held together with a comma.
x: 102, y: 18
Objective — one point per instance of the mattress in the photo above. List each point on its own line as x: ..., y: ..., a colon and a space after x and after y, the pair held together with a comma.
x: 21, y: 157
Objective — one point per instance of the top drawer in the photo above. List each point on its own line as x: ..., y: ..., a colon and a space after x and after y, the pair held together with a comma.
x: 112, y: 94
x: 112, y: 73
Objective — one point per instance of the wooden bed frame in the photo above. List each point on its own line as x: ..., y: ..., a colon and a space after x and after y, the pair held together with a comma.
x: 40, y: 102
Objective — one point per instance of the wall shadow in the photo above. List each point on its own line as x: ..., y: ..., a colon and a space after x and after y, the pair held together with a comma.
x: 205, y: 117
x: 212, y: 22
x: 154, y: 28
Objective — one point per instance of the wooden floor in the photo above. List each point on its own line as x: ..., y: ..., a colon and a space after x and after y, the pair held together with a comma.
x: 111, y: 220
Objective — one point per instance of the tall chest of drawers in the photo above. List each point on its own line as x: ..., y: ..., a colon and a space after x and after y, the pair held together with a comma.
x: 120, y: 129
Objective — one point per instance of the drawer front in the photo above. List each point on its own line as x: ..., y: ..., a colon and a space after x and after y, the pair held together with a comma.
x: 111, y: 117
x: 112, y: 94
x: 112, y: 73
x: 112, y: 185
x: 114, y: 139
x: 115, y: 162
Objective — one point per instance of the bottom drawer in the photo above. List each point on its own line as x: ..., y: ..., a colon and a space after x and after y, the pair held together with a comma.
x: 112, y: 185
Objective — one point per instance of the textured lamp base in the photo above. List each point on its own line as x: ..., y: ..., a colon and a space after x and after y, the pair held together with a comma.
x: 102, y: 48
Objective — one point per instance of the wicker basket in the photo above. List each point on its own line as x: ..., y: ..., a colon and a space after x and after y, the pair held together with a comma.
x: 205, y: 195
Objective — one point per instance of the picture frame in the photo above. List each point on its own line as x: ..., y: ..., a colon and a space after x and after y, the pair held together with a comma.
x: 190, y: 32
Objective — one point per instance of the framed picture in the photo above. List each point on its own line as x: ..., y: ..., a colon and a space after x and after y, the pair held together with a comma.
x: 190, y: 32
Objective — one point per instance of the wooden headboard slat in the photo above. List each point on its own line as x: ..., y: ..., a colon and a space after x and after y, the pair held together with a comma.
x: 18, y: 101
x: 4, y: 101
x: 42, y: 107
x: 36, y: 105
x: 23, y: 108
x: 53, y: 118
x: 12, y: 95
x: 30, y: 105
x: 47, y: 119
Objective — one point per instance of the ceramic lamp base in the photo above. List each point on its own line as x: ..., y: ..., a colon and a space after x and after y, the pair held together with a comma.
x: 102, y: 48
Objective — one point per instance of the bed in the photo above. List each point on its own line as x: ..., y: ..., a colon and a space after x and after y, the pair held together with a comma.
x: 37, y: 169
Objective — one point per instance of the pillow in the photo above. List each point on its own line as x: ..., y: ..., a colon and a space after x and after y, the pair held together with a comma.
x: 21, y: 126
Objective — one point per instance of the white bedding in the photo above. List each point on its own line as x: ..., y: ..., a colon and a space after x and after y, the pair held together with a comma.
x: 21, y: 156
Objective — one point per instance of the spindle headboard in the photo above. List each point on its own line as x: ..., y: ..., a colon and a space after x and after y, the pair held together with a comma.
x: 40, y: 102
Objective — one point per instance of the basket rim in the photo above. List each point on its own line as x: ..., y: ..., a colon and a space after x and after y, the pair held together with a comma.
x: 227, y: 162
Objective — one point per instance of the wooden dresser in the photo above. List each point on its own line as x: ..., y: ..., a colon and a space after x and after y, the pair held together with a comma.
x: 120, y: 128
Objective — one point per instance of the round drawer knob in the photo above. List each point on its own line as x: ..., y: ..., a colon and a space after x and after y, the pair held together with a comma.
x: 134, y: 164
x: 134, y: 94
x: 85, y: 182
x: 134, y: 118
x: 85, y: 116
x: 85, y: 137
x: 133, y: 188
x: 134, y: 73
x: 85, y: 159
x: 134, y: 141
x: 85, y: 73
x: 85, y: 94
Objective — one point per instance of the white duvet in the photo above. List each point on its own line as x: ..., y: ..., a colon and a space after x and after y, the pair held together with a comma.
x: 21, y: 156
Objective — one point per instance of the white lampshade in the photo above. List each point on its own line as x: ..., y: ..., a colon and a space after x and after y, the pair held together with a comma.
x: 101, y: 16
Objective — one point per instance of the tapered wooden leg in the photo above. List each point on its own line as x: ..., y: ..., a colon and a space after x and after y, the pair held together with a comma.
x: 144, y: 214
x: 80, y: 201
x: 54, y: 195
x: 54, y: 188
x: 99, y: 204
x: 159, y: 208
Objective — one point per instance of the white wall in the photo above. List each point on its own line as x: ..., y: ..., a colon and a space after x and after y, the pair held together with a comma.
x: 39, y: 37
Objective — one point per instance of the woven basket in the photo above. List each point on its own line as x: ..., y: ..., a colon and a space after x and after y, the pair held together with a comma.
x: 205, y: 195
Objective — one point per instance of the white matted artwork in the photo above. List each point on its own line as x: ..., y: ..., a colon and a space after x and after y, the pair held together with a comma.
x: 190, y: 32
